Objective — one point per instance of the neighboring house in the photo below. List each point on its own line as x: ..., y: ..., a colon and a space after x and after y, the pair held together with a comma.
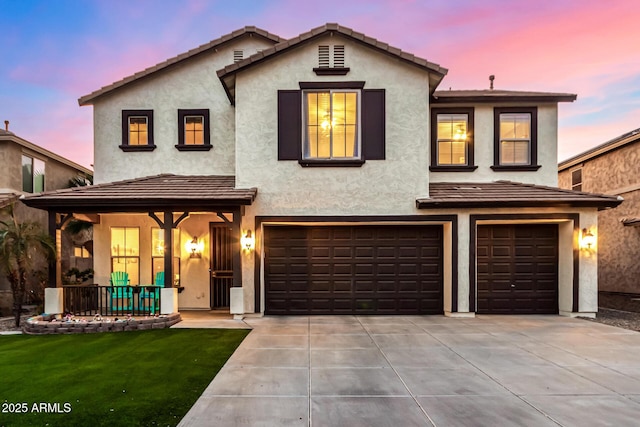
x: 612, y: 168
x: 325, y: 174
x: 28, y: 168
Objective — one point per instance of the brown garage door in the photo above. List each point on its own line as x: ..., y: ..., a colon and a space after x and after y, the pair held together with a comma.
x: 353, y: 269
x: 517, y: 269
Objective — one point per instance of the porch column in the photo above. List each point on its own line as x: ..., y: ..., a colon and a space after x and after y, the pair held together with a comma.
x: 237, y: 259
x: 54, y: 273
x: 168, y: 252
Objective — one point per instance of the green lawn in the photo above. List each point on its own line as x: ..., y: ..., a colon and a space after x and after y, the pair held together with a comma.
x: 109, y: 379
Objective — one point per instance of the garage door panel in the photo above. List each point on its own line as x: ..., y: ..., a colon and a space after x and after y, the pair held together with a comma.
x: 517, y: 269
x: 342, y: 252
x: 298, y: 286
x: 321, y: 252
x: 389, y: 252
x: 375, y: 266
x: 386, y: 286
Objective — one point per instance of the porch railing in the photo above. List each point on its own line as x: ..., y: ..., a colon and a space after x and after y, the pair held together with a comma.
x: 111, y: 300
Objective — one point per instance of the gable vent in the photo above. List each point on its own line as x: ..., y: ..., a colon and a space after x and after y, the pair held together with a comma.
x: 238, y: 55
x: 338, y: 56
x: 323, y: 56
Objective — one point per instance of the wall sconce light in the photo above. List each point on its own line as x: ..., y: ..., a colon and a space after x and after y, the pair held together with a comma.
x: 588, y: 240
x: 247, y: 241
x: 194, y: 248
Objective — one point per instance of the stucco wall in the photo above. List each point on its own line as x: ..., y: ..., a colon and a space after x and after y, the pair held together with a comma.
x: 379, y: 186
x: 615, y: 173
x: 194, y: 85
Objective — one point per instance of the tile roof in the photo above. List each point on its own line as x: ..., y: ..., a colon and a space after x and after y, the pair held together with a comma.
x: 509, y: 194
x: 227, y: 74
x: 599, y: 150
x: 183, y: 192
x: 213, y: 44
x: 493, y: 95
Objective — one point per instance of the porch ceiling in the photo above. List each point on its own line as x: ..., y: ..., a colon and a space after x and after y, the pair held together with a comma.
x: 152, y: 193
x: 509, y: 194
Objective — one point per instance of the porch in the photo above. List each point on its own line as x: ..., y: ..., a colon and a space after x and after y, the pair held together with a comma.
x: 186, y: 228
x: 92, y: 300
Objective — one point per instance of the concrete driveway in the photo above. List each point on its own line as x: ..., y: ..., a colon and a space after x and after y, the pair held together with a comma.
x: 424, y: 371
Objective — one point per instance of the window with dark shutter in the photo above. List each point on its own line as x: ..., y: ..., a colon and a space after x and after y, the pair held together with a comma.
x: 373, y: 124
x: 289, y: 124
x: 290, y: 127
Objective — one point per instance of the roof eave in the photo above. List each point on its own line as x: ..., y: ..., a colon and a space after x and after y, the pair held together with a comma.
x: 102, y: 206
x: 448, y: 204
x: 599, y: 150
x: 502, y: 98
x: 179, y: 59
x: 435, y: 71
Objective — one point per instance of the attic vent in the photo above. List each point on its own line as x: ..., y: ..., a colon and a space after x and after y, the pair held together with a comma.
x: 238, y: 55
x: 331, y: 61
x: 338, y: 56
x: 323, y: 56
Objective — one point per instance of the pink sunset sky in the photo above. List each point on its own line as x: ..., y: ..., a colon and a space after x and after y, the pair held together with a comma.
x: 54, y: 52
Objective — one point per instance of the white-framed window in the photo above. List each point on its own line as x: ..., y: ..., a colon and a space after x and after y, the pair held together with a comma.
x: 515, y: 138
x: 452, y: 139
x: 331, y: 121
x: 32, y: 174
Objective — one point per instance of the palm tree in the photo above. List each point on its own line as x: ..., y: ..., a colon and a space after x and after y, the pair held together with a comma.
x: 19, y: 242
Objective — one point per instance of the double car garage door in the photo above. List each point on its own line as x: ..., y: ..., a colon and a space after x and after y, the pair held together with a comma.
x: 353, y: 269
x: 398, y: 269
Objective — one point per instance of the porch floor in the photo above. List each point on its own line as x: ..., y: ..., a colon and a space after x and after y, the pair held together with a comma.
x: 209, y: 319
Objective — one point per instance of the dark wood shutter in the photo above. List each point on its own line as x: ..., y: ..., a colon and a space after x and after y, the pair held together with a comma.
x: 373, y: 125
x: 289, y: 125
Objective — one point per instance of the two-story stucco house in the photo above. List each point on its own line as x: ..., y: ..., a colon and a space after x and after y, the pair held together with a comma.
x: 326, y: 174
x: 612, y: 168
x: 28, y: 169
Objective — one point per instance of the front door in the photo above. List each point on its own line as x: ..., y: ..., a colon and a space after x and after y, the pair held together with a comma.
x: 221, y: 264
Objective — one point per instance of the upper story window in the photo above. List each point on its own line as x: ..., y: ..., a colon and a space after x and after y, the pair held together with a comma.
x: 331, y: 125
x: 193, y: 130
x: 137, y: 130
x: 576, y: 180
x: 515, y: 139
x: 452, y: 139
x: 32, y: 175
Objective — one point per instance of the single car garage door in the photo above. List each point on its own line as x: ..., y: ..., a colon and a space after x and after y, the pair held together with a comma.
x: 390, y: 269
x: 517, y: 267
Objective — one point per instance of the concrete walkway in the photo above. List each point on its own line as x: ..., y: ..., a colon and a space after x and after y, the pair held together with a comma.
x: 426, y: 370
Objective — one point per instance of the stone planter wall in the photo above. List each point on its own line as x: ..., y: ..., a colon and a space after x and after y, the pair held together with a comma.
x: 42, y: 325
